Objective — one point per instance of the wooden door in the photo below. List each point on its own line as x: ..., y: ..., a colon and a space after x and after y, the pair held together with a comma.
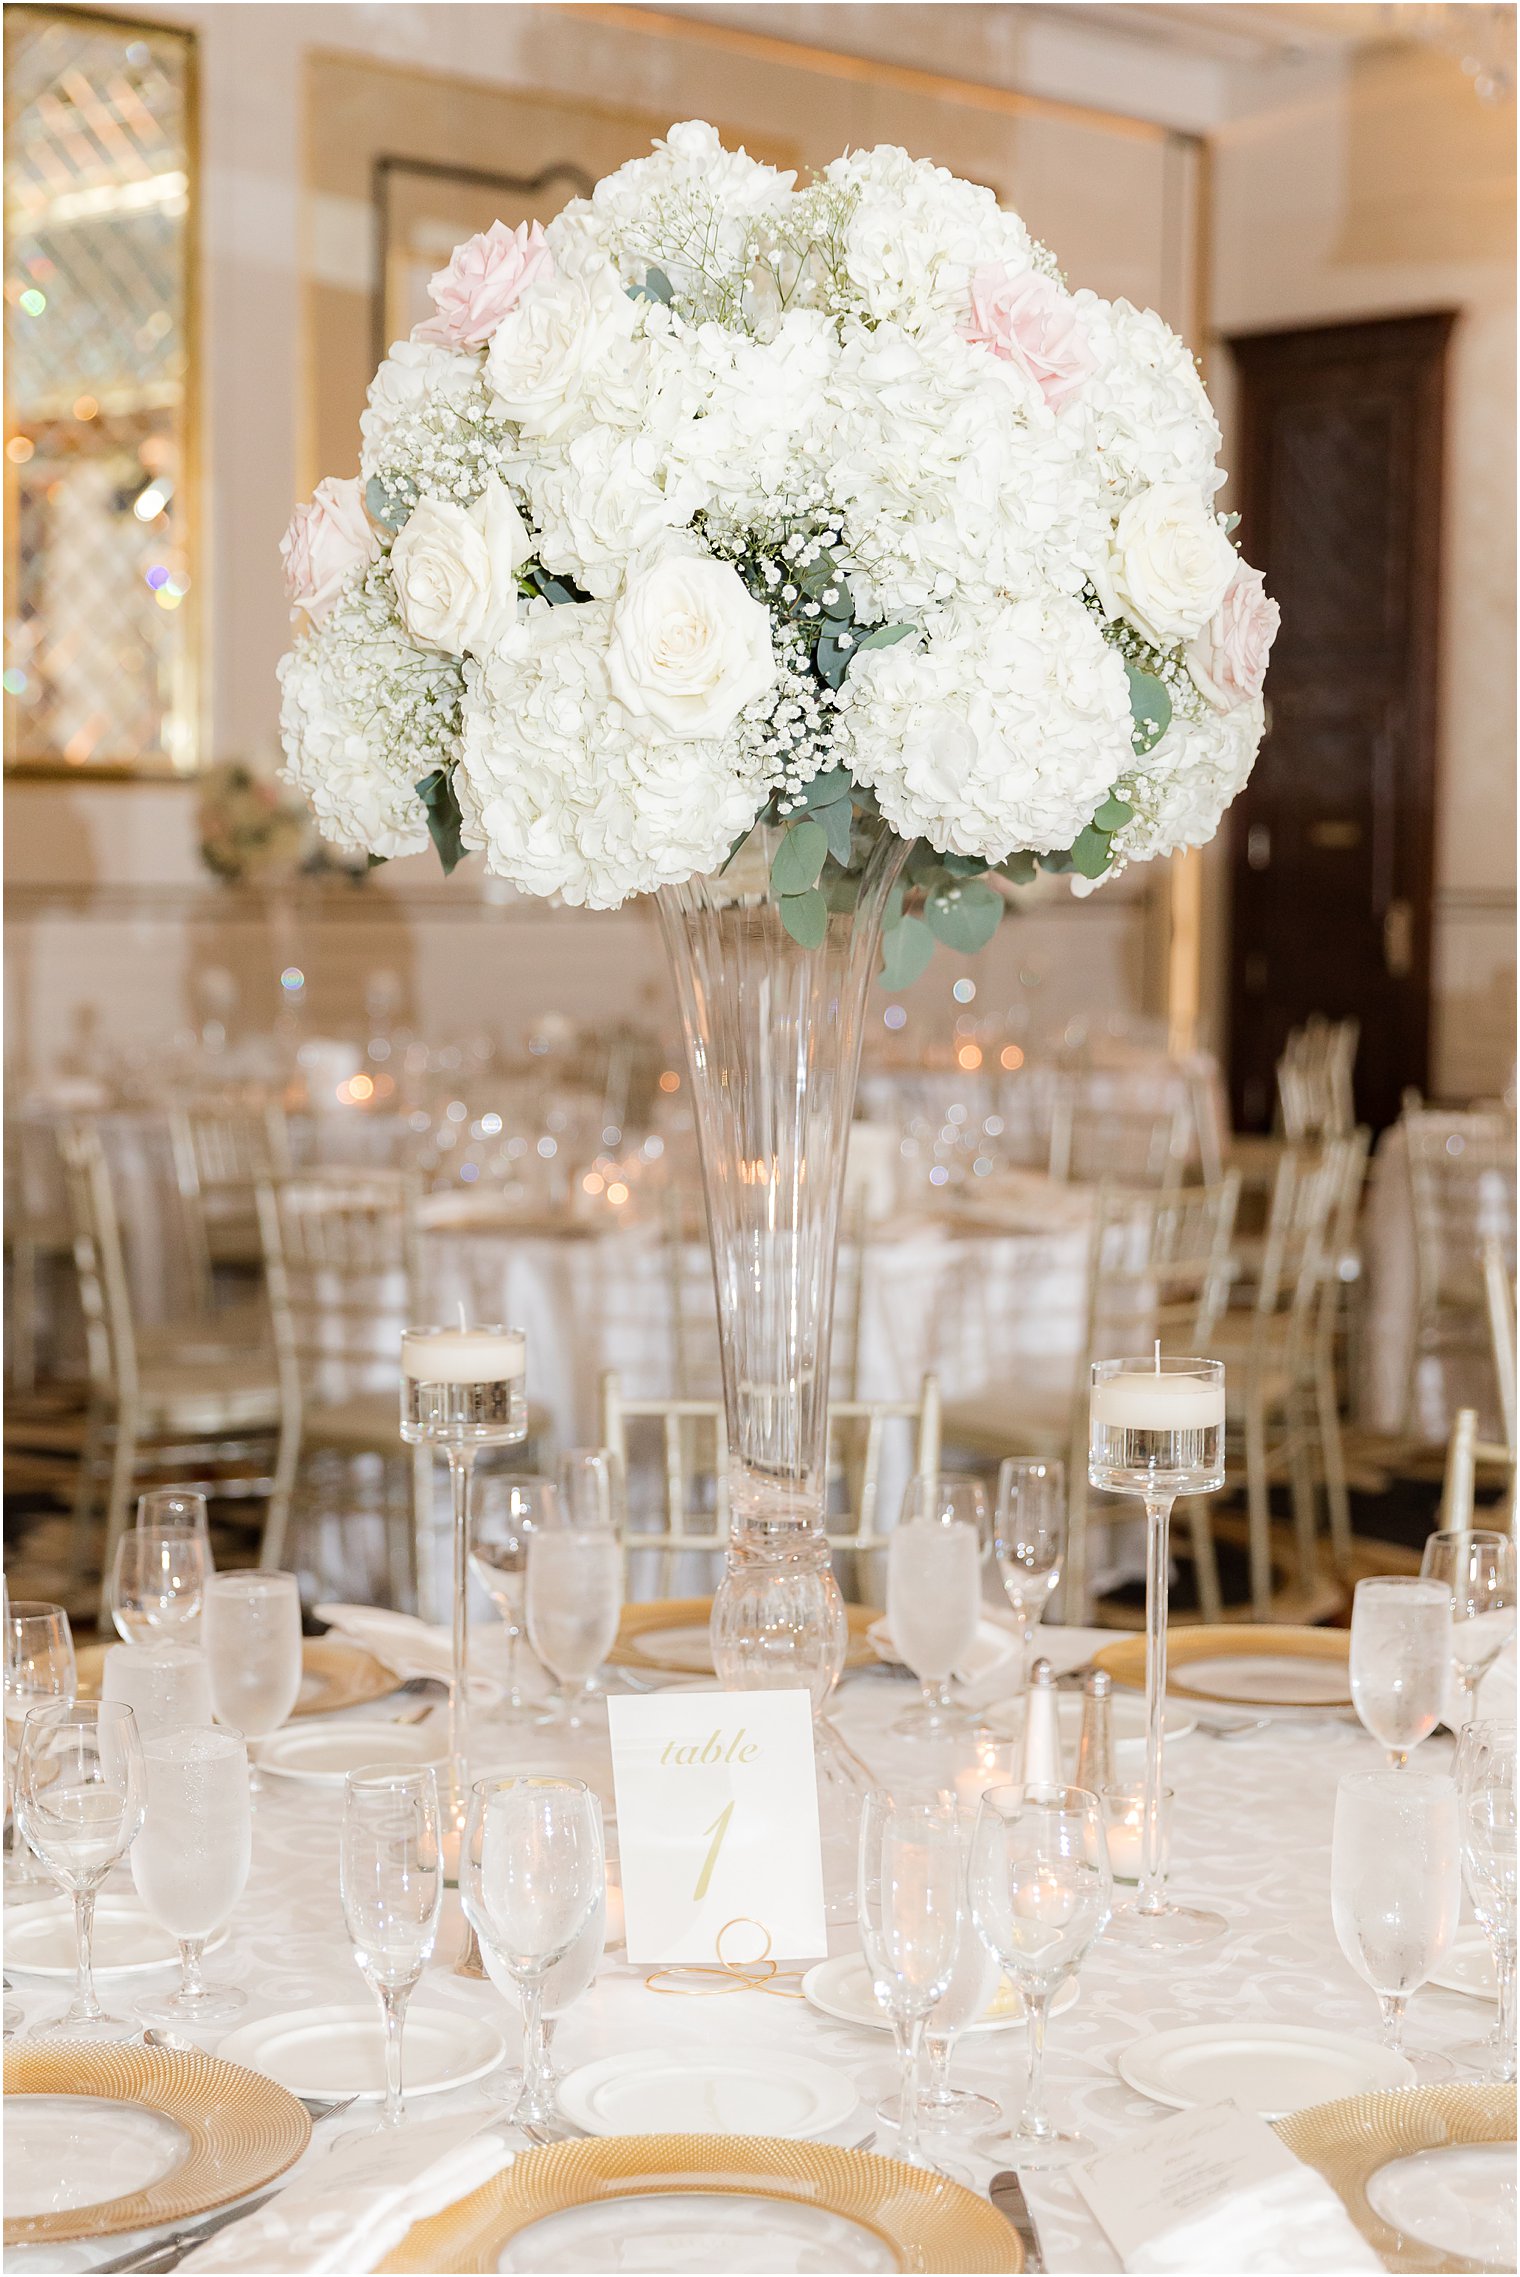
x: 1340, y: 495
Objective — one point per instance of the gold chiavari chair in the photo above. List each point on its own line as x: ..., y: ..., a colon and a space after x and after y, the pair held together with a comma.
x: 220, y: 1155
x: 1314, y: 1080
x: 1462, y: 1184
x: 1341, y: 1268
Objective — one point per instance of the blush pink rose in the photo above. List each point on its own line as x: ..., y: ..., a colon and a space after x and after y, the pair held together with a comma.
x: 1030, y: 322
x: 1228, y: 659
x: 485, y: 279
x: 324, y: 542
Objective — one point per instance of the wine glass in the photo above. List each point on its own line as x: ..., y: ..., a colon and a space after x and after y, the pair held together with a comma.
x: 165, y: 1685
x: 574, y: 1599
x: 1400, y: 1659
x: 158, y: 1582
x: 1396, y: 1887
x: 973, y: 1982
x: 178, y: 1508
x: 1478, y: 1567
x: 39, y: 1666
x: 79, y: 1796
x: 588, y: 1489
x: 506, y: 1510
x: 1041, y: 1893
x: 252, y: 1640
x: 1156, y: 1430
x: 934, y: 1600
x: 190, y: 1862
x: 1029, y: 1538
x: 1485, y: 1776
x: 533, y: 1875
x: 909, y: 1905
x: 390, y: 1873
x: 564, y: 1983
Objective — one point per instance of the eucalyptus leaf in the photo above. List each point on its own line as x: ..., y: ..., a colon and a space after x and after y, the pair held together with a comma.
x: 1091, y: 852
x: 1113, y: 813
x: 556, y: 589
x: 732, y: 851
x: 884, y: 636
x: 841, y: 889
x: 842, y: 608
x: 923, y: 863
x: 444, y: 820
x: 833, y: 657
x: 1019, y: 868
x: 1151, y: 708
x: 906, y: 951
x: 799, y: 858
x: 1059, y: 864
x: 381, y: 507
x: 833, y: 784
x: 835, y: 820
x: 893, y: 908
x: 965, y: 865
x: 805, y: 916
x: 656, y: 286
x: 964, y: 916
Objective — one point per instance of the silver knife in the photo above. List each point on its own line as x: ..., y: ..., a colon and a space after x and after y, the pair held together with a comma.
x: 1007, y: 2194
x: 171, y: 2250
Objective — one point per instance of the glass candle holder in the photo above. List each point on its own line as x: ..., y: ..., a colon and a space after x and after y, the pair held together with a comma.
x: 1124, y: 1828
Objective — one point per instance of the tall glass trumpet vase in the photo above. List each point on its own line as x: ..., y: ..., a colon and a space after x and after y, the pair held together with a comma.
x: 1157, y: 1431
x: 461, y: 1390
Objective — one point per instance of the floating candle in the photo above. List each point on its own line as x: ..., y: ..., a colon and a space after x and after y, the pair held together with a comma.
x: 1146, y: 1401
x: 463, y: 1355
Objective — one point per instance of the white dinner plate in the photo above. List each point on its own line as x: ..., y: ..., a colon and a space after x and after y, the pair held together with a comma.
x: 1271, y: 2069
x: 39, y: 1939
x: 842, y: 1988
x: 1468, y: 1967
x: 1126, y: 1721
x: 341, y: 2050
x: 326, y: 1753
x: 708, y: 2091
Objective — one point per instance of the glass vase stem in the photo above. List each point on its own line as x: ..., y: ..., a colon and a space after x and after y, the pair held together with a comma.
x: 1158, y: 1515
x: 461, y: 1465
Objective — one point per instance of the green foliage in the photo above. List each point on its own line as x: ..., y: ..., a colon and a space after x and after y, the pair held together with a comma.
x: 381, y: 506
x: 884, y: 636
x: 656, y: 286
x: 906, y: 950
x: 444, y: 820
x: 1151, y: 708
x: 556, y: 589
x: 805, y: 916
x: 799, y: 858
x: 964, y: 914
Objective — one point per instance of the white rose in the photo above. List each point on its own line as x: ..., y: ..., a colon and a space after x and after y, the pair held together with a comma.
x: 1169, y: 566
x: 547, y: 349
x: 455, y: 570
x: 690, y: 647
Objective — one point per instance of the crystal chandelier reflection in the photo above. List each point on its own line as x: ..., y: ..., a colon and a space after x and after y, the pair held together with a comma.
x: 1480, y: 36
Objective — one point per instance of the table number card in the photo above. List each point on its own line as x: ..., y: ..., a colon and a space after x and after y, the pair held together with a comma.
x: 717, y: 1813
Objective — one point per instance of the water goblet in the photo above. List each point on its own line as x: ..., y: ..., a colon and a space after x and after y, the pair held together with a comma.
x: 461, y: 1390
x: 1157, y: 1431
x: 252, y: 1639
x: 563, y: 1985
x: 1041, y: 1893
x: 1396, y: 1887
x: 532, y: 1879
x: 79, y: 1797
x: 934, y: 1600
x: 179, y: 1508
x: 506, y: 1511
x: 574, y: 1599
x: 1401, y: 1659
x: 190, y: 1861
x: 1478, y: 1566
x: 974, y: 1980
x: 390, y: 1874
x: 588, y: 1489
x: 1029, y: 1538
x: 909, y: 1904
x: 39, y: 1666
x: 1485, y: 1776
x: 158, y: 1582
x: 164, y: 1684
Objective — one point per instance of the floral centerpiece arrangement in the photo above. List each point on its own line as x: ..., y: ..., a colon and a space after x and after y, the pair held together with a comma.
x: 722, y: 500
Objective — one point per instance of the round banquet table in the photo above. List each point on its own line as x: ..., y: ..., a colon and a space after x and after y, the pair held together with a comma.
x: 1251, y: 1837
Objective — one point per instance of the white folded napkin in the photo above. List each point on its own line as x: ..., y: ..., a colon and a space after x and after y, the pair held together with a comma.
x: 409, y: 1647
x: 356, y: 2204
x: 1289, y: 2222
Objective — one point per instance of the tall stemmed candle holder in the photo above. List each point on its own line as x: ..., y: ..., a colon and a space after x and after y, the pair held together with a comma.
x: 461, y: 1390
x: 1157, y: 1431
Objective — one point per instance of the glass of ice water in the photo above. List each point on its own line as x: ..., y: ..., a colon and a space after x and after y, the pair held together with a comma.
x: 934, y: 1599
x: 252, y: 1639
x: 574, y: 1601
x: 1396, y: 1887
x: 1400, y: 1658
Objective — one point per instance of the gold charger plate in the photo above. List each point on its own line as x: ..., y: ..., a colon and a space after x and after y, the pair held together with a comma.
x: 1350, y: 2143
x: 240, y: 2129
x: 334, y: 1674
x: 694, y: 1613
x: 1243, y: 1640
x: 924, y: 2221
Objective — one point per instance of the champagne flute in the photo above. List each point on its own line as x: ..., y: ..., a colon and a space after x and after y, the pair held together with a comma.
x: 1400, y: 1659
x: 910, y: 1910
x: 1478, y: 1567
x: 532, y: 1877
x: 390, y: 1873
x: 190, y: 1862
x: 158, y: 1582
x: 974, y: 1981
x: 252, y: 1638
x: 1029, y: 1538
x: 79, y: 1795
x: 934, y: 1599
x: 506, y: 1511
x: 1041, y: 1893
x: 1485, y: 1775
x: 39, y: 1666
x: 1396, y: 1887
x: 574, y: 1601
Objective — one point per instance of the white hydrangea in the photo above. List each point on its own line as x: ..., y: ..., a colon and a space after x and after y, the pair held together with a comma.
x: 413, y: 375
x: 689, y: 193
x: 566, y: 795
x: 1181, y: 788
x: 917, y: 234
x: 363, y: 716
x: 1150, y: 418
x: 1005, y: 729
x: 760, y: 415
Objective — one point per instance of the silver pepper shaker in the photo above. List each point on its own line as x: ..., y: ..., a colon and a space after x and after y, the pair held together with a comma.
x: 1095, y: 1747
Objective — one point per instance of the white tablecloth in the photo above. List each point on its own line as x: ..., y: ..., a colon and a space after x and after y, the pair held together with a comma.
x: 1251, y: 1837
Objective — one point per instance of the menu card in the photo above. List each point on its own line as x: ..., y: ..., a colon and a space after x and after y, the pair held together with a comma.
x: 1170, y: 2172
x: 717, y: 1815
